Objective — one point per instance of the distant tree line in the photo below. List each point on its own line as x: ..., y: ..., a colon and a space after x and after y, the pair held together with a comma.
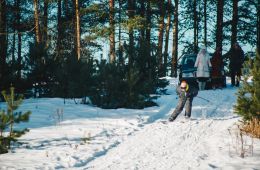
x: 52, y: 46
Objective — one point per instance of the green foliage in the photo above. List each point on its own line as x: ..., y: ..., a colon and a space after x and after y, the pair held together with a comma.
x: 248, y: 102
x: 4, y: 119
x: 74, y: 78
x: 110, y: 86
x: 137, y: 22
x: 247, y: 22
x: 42, y: 66
x: 128, y: 86
x: 9, y: 118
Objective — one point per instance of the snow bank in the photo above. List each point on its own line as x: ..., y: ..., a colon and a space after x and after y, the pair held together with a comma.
x: 74, y: 136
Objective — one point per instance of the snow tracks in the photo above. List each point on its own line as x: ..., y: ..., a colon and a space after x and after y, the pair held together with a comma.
x: 190, y: 145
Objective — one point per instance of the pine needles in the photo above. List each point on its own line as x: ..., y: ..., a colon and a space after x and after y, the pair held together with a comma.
x: 248, y: 101
x: 9, y: 118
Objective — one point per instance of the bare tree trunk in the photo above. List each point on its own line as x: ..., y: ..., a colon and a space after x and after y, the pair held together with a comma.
x: 219, y: 32
x: 167, y: 33
x: 112, y: 54
x: 258, y: 26
x: 45, y: 22
x: 77, y: 32
x: 3, y: 38
x: 36, y: 20
x: 148, y: 24
x: 131, y: 32
x: 175, y: 40
x: 66, y: 8
x: 148, y: 37
x: 195, y: 25
x: 205, y: 23
x: 13, y: 47
x: 160, y: 36
x: 19, y: 56
x: 120, y: 48
x: 234, y: 22
x: 19, y: 52
x: 59, y: 29
x: 142, y: 40
x: 142, y: 30
x: 131, y: 8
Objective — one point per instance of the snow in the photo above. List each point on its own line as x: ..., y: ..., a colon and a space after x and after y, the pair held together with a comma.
x: 74, y: 136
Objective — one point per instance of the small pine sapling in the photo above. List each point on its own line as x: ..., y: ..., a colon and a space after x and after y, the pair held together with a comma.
x: 9, y: 118
x: 248, y: 102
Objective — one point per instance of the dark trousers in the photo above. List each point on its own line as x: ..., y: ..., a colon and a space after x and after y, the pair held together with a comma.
x: 217, y: 82
x: 235, y: 77
x: 183, y: 101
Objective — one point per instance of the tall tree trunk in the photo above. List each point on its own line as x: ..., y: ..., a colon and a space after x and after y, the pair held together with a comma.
x: 142, y: 14
x: 36, y: 21
x: 219, y: 32
x: 148, y: 23
x: 13, y: 47
x: 148, y: 37
x: 112, y: 53
x: 130, y: 78
x: 131, y: 32
x: 13, y: 67
x: 160, y: 36
x: 120, y: 47
x: 234, y: 22
x: 142, y: 42
x: 175, y: 40
x: 77, y: 31
x: 195, y: 25
x: 258, y: 26
x: 19, y: 52
x: 45, y: 22
x: 205, y: 22
x: 66, y: 4
x: 19, y: 59
x: 3, y: 38
x: 59, y: 30
x: 167, y: 33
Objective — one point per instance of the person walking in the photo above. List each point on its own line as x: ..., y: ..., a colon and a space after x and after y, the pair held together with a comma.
x: 236, y: 63
x: 217, y: 65
x: 203, y: 66
x: 186, y: 94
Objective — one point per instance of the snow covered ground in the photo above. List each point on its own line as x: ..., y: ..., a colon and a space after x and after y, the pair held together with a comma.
x: 85, y: 137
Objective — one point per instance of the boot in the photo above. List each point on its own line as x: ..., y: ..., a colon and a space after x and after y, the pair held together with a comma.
x: 172, y: 118
x: 200, y: 85
x: 203, y: 85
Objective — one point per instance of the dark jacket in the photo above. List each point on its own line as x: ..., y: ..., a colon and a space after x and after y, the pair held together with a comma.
x: 191, y: 92
x: 236, y: 59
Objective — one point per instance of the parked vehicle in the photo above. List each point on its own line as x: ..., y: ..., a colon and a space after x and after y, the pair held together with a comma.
x: 187, y: 71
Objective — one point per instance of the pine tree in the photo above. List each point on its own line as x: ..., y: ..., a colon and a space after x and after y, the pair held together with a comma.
x: 9, y: 118
x: 248, y: 102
